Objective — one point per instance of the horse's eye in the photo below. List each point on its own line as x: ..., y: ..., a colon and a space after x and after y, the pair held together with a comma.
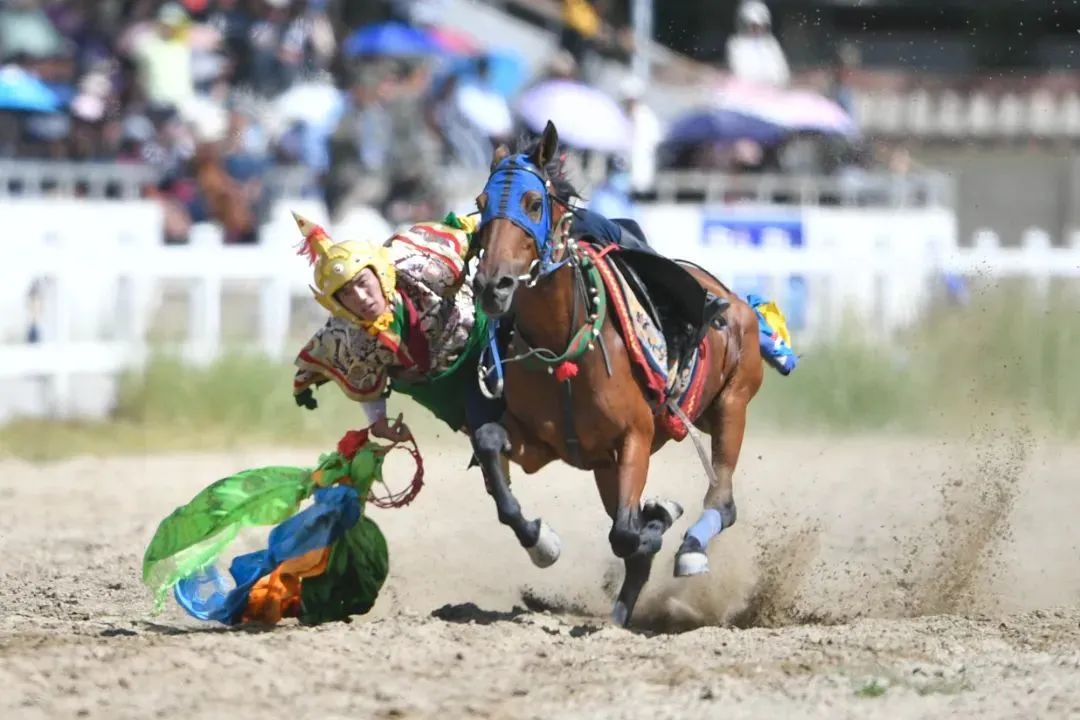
x: 536, y: 206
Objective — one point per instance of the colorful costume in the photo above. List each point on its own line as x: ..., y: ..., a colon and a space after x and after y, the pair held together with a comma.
x: 323, y: 563
x: 426, y: 345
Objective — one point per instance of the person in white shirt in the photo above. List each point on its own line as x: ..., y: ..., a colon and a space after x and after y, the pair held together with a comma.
x: 647, y: 135
x: 753, y: 53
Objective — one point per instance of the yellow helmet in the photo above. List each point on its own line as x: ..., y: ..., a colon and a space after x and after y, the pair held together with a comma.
x: 337, y: 264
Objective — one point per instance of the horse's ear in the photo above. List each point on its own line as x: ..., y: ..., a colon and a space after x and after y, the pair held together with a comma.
x: 548, y: 146
x: 501, y: 153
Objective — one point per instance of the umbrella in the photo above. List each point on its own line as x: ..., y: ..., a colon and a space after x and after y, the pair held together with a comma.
x: 485, y: 109
x: 317, y: 103
x: 791, y: 110
x: 585, y: 117
x: 454, y: 41
x: 712, y: 125
x: 392, y: 38
x: 19, y: 90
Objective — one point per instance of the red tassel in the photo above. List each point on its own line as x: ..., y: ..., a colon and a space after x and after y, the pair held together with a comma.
x: 307, y: 246
x: 351, y: 442
x: 565, y: 371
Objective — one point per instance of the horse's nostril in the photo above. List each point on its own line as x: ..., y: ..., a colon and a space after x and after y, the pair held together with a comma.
x: 504, y: 283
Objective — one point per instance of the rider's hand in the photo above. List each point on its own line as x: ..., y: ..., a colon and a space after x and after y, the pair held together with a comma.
x: 396, y: 433
x: 306, y: 399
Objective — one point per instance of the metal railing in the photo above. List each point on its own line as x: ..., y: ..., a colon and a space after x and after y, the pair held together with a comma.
x: 868, y: 190
x: 111, y: 181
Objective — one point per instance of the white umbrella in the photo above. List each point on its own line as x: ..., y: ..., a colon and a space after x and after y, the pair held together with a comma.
x: 585, y: 117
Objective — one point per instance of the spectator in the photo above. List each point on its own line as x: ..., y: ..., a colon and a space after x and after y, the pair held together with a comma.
x: 840, y: 90
x: 647, y: 135
x: 753, y: 53
x: 163, y: 59
x: 612, y: 197
x: 485, y: 108
x: 581, y: 29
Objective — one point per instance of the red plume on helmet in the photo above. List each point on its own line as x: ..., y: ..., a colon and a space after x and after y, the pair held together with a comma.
x: 314, y: 235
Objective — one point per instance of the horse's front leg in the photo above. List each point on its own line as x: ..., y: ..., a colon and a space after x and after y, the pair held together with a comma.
x: 635, y: 534
x: 491, y: 443
x: 727, y: 425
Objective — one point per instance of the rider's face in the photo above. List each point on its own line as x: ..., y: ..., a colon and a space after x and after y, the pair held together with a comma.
x: 363, y: 296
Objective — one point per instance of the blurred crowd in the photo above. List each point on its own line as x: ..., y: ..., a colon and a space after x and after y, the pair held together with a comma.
x: 214, y: 93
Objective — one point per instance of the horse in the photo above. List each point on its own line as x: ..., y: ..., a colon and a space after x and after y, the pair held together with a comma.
x: 593, y: 413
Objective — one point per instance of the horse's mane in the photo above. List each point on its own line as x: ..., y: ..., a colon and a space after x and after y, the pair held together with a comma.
x: 555, y: 170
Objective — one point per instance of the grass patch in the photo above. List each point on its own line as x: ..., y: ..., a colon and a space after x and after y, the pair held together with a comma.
x: 1004, y: 359
x: 872, y: 689
x: 240, y: 400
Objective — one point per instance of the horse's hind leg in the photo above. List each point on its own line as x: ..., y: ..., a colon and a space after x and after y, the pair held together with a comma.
x: 491, y: 442
x: 727, y: 422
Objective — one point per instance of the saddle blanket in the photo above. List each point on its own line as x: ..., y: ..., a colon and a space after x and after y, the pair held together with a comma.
x: 648, y: 350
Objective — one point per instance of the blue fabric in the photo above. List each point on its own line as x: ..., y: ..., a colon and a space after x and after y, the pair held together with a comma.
x: 591, y: 224
x: 774, y: 350
x: 507, y: 185
x: 707, y: 527
x: 207, y: 596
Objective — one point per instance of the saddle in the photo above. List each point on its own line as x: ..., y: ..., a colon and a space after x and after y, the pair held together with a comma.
x: 676, y: 302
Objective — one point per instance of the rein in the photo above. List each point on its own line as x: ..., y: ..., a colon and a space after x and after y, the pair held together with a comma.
x: 588, y: 289
x: 516, y: 174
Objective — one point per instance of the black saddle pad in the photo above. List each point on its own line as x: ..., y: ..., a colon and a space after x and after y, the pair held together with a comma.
x: 673, y: 297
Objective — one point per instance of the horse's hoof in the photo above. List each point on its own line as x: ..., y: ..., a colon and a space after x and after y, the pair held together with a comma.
x: 547, y: 548
x: 620, y: 614
x: 670, y: 509
x: 691, y: 563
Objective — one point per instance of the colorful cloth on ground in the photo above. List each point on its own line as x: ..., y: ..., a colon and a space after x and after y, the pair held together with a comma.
x: 647, y: 348
x: 323, y: 563
x: 773, y: 335
x: 435, y: 332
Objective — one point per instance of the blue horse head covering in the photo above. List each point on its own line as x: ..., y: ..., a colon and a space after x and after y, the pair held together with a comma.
x: 506, y: 186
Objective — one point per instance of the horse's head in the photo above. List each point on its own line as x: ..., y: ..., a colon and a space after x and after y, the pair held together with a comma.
x: 519, y: 207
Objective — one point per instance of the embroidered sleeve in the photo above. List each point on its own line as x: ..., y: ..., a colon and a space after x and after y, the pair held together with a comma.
x: 432, y: 254
x: 348, y: 356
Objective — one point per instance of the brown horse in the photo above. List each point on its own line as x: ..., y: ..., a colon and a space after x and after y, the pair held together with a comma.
x: 530, y: 274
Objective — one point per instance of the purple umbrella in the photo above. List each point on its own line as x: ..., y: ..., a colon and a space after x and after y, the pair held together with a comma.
x: 585, y: 117
x: 712, y: 125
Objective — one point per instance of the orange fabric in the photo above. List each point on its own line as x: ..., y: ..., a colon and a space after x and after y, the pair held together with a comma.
x: 278, y: 594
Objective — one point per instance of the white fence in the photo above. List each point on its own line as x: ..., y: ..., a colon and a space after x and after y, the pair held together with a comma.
x: 90, y: 278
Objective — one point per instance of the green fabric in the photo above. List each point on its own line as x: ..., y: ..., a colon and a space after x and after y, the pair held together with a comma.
x: 358, y: 565
x: 444, y: 394
x: 195, y: 534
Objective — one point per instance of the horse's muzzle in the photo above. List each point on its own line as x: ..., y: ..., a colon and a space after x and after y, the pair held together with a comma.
x: 496, y: 294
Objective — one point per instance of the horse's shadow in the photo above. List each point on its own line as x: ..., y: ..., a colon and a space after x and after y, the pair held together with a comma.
x: 165, y: 629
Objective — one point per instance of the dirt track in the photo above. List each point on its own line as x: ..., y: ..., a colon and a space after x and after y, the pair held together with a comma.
x: 893, y: 577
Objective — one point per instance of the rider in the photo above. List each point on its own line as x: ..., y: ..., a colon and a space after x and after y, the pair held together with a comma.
x: 402, y: 319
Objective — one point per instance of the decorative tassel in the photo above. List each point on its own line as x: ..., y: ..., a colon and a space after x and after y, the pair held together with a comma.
x: 351, y: 442
x: 565, y: 371
x: 313, y: 233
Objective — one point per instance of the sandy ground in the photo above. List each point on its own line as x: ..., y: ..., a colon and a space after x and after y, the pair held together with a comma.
x: 892, y: 577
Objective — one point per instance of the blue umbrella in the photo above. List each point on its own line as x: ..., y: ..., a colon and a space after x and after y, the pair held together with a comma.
x: 19, y: 90
x: 702, y: 126
x: 392, y: 38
